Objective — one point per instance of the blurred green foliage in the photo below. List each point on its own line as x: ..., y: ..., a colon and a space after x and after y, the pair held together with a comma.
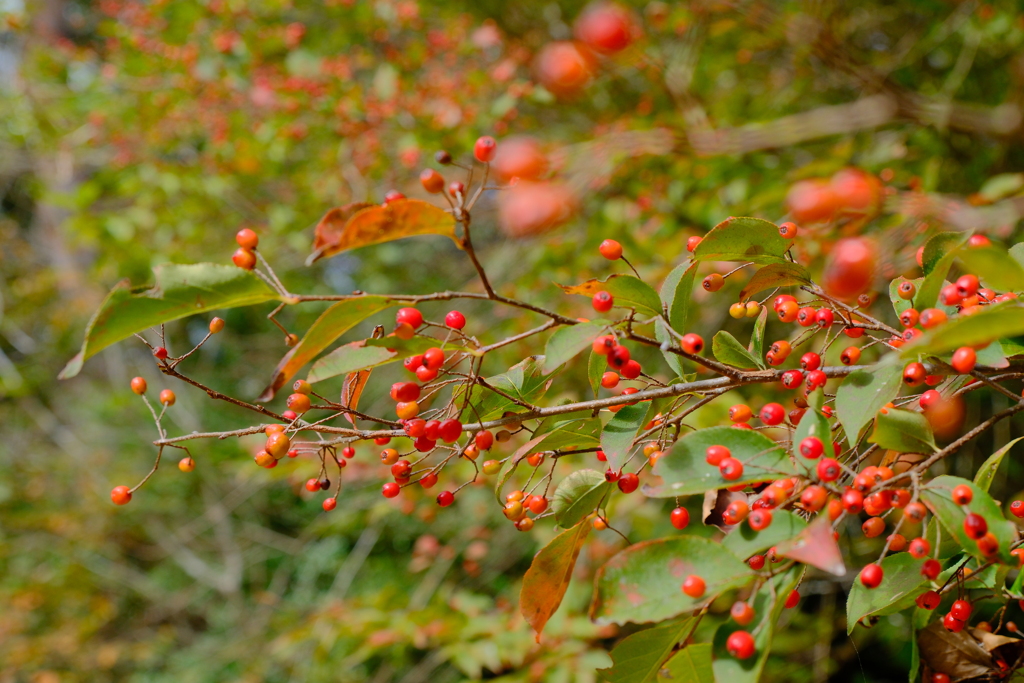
x: 136, y: 133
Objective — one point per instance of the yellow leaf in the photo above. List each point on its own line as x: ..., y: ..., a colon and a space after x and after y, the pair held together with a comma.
x: 360, y: 225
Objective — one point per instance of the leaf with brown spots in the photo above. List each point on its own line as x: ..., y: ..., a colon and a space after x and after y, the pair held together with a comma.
x: 360, y: 225
x: 546, y: 580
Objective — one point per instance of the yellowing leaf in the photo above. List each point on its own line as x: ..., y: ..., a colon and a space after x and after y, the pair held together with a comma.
x: 548, y: 577
x: 360, y: 225
x: 332, y: 323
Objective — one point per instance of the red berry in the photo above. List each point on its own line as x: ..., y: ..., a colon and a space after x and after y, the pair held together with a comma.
x: 484, y: 440
x: 967, y: 285
x: 940, y: 678
x: 816, y: 379
x: 742, y: 613
x: 610, y: 380
x: 391, y: 489
x: 409, y: 316
x: 450, y: 430
x: 120, y: 495
x: 759, y: 519
x: 975, y: 526
x: 692, y: 343
x: 791, y: 379
x: 631, y: 370
x: 928, y: 600
x: 433, y: 358
x: 714, y: 455
x: 247, y: 239
x: 740, y: 644
x: 329, y: 504
x: 1017, y: 508
x: 455, y: 320
x: 810, y: 361
x: 756, y: 562
x: 604, y: 27
x: 772, y: 414
x: 850, y: 269
x: 952, y: 623
x: 824, y: 317
x: 445, y: 498
x: 731, y: 469
x: 160, y: 353
x: 618, y: 357
x: 919, y: 548
x: 853, y: 501
x: 793, y: 599
x: 244, y: 258
x: 961, y: 609
x: 694, y: 586
x: 871, y: 576
x: 680, y: 518
x: 602, y: 301
x: 964, y: 360
x: 930, y: 569
x: 611, y: 250
x: 811, y: 447
x: 962, y: 494
x: 485, y: 148
x: 788, y: 230
x: 312, y: 485
x: 829, y: 469
x: 432, y: 181
x: 629, y: 482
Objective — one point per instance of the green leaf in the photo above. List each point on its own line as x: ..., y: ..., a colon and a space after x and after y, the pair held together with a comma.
x: 863, y: 393
x: 677, y: 294
x: 525, y: 381
x: 938, y: 256
x: 903, y: 431
x: 1000, y: 186
x: 684, y: 469
x: 628, y: 292
x: 987, y: 472
x: 638, y: 657
x: 365, y: 354
x: 546, y: 580
x: 901, y: 584
x: 332, y: 323
x: 580, y: 432
x: 596, y: 367
x: 768, y: 603
x: 567, y: 342
x: 938, y: 497
x: 993, y: 323
x: 642, y: 582
x: 178, y: 292
x: 743, y: 239
x: 692, y: 664
x: 349, y: 358
x: 757, y: 337
x: 1017, y: 252
x: 994, y: 266
x: 744, y: 541
x: 730, y: 351
x: 578, y: 495
x: 675, y: 361
x: 785, y: 274
x: 1017, y: 589
x: 620, y: 433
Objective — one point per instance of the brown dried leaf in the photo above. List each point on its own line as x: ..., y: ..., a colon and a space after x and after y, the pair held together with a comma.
x: 360, y: 225
x: 352, y: 389
x: 956, y: 654
x: 547, y: 579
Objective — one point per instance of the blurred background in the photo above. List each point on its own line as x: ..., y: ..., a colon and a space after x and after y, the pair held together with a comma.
x: 134, y: 133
